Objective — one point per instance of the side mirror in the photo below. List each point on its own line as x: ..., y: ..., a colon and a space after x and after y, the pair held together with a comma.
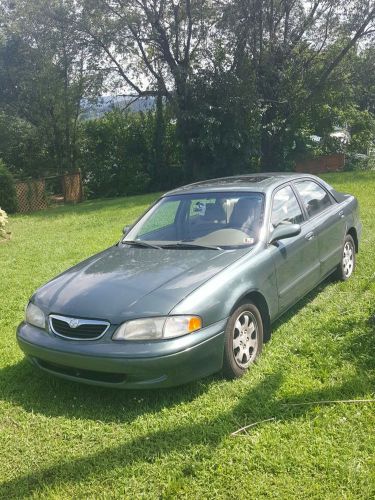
x: 125, y: 230
x: 285, y: 231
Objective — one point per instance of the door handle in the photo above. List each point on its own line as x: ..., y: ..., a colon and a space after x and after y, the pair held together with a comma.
x: 341, y: 214
x: 310, y: 236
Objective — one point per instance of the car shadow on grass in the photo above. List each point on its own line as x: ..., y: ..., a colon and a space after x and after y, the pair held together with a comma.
x: 258, y: 404
x: 39, y: 392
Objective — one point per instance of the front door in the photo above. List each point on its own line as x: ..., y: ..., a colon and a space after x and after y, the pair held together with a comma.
x: 296, y: 259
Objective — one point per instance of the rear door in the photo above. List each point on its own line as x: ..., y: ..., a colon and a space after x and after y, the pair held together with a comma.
x: 296, y: 259
x: 328, y: 220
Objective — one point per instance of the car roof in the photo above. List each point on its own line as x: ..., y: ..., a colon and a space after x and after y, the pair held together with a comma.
x: 260, y: 182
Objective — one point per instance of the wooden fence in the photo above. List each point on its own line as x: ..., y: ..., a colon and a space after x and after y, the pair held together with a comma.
x: 321, y: 164
x: 72, y: 187
x: 32, y: 195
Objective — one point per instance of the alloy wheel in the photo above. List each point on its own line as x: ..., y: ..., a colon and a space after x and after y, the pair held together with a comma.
x: 245, y: 339
x: 348, y: 259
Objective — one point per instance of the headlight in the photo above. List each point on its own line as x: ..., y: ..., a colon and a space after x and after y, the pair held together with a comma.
x: 35, y: 316
x: 158, y: 328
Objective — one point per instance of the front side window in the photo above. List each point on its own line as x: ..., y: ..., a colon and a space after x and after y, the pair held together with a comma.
x: 285, y: 208
x: 225, y: 219
x: 314, y: 197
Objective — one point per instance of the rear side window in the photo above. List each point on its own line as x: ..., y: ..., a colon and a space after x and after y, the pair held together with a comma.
x: 314, y: 197
x: 285, y: 208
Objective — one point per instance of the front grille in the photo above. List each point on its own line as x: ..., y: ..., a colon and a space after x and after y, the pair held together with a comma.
x: 77, y: 329
x: 114, y: 378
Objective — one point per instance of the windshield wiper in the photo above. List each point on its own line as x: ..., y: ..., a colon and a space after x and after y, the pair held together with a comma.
x: 178, y: 244
x: 140, y: 243
x: 183, y: 244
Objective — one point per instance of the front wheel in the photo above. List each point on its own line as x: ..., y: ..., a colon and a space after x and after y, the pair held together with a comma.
x: 243, y: 340
x: 347, y: 265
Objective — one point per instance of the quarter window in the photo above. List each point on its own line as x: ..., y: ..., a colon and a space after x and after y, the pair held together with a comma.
x: 314, y: 197
x: 285, y: 208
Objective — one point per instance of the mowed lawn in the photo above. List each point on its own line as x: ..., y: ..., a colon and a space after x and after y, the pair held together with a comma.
x: 64, y: 440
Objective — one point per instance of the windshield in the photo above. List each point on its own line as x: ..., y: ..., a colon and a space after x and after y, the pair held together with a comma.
x: 228, y: 220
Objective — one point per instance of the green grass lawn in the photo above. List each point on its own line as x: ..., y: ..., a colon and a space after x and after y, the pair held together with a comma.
x: 65, y: 440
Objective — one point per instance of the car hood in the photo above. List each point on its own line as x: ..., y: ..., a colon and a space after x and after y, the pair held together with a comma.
x: 124, y: 282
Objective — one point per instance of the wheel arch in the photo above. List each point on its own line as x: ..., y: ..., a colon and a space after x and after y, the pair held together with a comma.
x: 258, y: 299
x: 353, y: 233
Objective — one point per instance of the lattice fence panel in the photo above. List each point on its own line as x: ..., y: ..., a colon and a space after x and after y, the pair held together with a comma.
x: 31, y: 195
x: 72, y: 188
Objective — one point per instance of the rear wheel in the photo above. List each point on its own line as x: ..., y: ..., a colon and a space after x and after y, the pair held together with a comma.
x: 243, y: 340
x: 347, y: 265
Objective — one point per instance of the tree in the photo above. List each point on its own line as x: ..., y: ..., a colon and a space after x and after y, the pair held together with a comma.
x: 43, y: 77
x: 363, y: 79
x: 248, y: 82
x: 296, y: 51
x: 153, y: 46
x: 23, y: 147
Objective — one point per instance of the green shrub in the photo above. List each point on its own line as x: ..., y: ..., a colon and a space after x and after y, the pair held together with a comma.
x: 8, y: 197
x: 126, y: 154
x: 359, y: 162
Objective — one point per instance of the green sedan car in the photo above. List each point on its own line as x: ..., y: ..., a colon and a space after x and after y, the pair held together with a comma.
x: 194, y: 285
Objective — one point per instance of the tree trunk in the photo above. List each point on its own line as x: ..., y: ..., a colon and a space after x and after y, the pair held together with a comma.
x: 272, y: 152
x: 184, y: 131
x: 158, y: 163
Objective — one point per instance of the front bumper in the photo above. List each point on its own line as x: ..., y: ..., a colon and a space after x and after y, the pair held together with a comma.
x: 129, y: 365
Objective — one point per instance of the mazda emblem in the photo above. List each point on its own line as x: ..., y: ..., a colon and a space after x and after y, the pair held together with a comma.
x: 73, y: 323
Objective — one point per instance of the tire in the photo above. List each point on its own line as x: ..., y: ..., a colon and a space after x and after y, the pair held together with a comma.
x: 243, y: 340
x: 347, y: 265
